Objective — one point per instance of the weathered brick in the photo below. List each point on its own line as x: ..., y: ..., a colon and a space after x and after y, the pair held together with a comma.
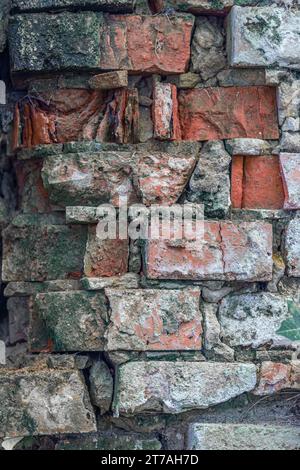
x: 66, y: 115
x: 165, y: 112
x: 38, y: 249
x: 29, y: 408
x: 154, y: 319
x: 105, y: 258
x: 264, y: 37
x: 122, y: 6
x: 95, y: 178
x: 146, y: 43
x: 228, y: 252
x: 292, y: 248
x: 68, y: 321
x: 273, y: 377
x: 256, y: 183
x: 174, y: 387
x: 252, y: 319
x: 228, y: 112
x: 207, y: 436
x: 89, y: 40
x: 290, y: 169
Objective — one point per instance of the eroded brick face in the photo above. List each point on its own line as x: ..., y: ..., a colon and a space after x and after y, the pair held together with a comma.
x: 226, y: 113
x: 256, y: 183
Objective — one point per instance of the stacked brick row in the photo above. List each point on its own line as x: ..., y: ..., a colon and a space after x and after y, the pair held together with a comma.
x: 159, y: 343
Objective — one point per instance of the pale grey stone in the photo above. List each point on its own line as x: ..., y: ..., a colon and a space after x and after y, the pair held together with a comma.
x: 212, y: 331
x: 18, y: 314
x: 214, y: 296
x: 101, y: 386
x: 288, y: 99
x: 252, y: 319
x: 208, y: 47
x: 263, y: 36
x: 44, y: 401
x: 292, y: 248
x: 242, y: 437
x: 127, y: 281
x: 174, y: 387
x: 291, y: 124
x: 210, y: 182
x: 249, y: 147
x: 290, y: 142
x: 24, y: 289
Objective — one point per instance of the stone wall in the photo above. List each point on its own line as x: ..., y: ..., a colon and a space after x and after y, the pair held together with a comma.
x: 163, y: 344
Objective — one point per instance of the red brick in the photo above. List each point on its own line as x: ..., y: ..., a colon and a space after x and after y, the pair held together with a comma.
x: 68, y: 115
x: 273, y: 378
x: 227, y: 113
x: 256, y: 183
x: 229, y: 251
x: 105, y: 258
x: 146, y: 43
x: 165, y: 112
x: 237, y: 180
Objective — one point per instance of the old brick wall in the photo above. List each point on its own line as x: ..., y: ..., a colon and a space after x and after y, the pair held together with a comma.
x: 123, y: 344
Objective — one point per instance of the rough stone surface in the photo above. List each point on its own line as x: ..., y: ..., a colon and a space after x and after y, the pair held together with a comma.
x: 256, y: 182
x: 109, y: 80
x: 102, y: 385
x: 242, y: 437
x: 212, y: 334
x: 30, y: 408
x: 226, y: 113
x: 290, y: 168
x: 68, y: 321
x: 122, y: 6
x: 154, y: 319
x: 210, y: 182
x: 264, y: 37
x: 24, y: 289
x: 127, y: 281
x: 4, y: 12
x: 148, y: 177
x: 249, y: 147
x: 208, y: 47
x: 18, y: 313
x: 292, y: 248
x: 105, y: 258
x: 193, y: 6
x: 252, y: 319
x: 110, y: 441
x: 45, y: 42
x: 290, y: 142
x: 288, y: 97
x: 228, y: 252
x: 34, y: 249
x: 173, y: 387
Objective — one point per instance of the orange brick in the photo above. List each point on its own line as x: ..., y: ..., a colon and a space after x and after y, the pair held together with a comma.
x: 228, y: 113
